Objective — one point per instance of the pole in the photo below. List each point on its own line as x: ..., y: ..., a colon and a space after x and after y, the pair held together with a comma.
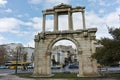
x: 16, y: 62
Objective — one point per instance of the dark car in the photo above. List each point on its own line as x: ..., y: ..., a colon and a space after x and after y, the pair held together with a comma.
x: 55, y: 67
x: 72, y: 66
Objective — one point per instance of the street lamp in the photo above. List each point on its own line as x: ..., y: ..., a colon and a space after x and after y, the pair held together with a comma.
x: 16, y: 62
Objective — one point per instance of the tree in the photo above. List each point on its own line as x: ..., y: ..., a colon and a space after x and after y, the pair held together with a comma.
x: 22, y: 55
x: 18, y: 52
x: 3, y: 55
x: 109, y: 53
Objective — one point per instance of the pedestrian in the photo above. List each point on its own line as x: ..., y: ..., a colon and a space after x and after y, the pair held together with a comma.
x: 24, y: 67
x: 63, y: 67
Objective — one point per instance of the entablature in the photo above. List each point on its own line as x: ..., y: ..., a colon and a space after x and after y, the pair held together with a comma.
x: 62, y: 8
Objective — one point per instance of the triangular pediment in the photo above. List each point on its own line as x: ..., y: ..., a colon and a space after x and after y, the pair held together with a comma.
x: 62, y: 5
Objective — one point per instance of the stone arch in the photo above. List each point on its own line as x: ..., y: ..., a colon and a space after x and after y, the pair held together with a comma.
x: 82, y: 38
x: 66, y: 38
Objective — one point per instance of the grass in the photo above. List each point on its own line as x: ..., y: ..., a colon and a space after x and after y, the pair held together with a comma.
x: 24, y: 75
x: 57, y: 75
x: 69, y: 76
x: 116, y: 75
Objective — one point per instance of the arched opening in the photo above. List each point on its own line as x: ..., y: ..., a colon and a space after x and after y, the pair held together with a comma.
x: 64, y: 57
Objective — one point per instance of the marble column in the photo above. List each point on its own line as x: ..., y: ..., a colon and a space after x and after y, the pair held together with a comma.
x: 83, y: 19
x: 70, y: 22
x: 55, y: 22
x: 44, y: 18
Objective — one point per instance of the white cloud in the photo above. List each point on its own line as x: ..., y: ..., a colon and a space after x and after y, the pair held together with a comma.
x: 37, y: 23
x: 54, y: 2
x: 12, y: 24
x: 16, y: 26
x: 112, y: 19
x: 19, y: 16
x: 66, y: 43
x: 35, y: 1
x: 101, y: 11
x: 51, y: 3
x: 8, y: 24
x: 63, y: 22
x: 93, y: 19
x: 49, y: 25
x: 30, y: 43
x: 8, y: 10
x: 99, y: 3
x: 102, y: 2
x: 48, y: 2
x: 23, y: 15
x: 2, y: 39
x: 116, y: 2
x: 3, y: 2
x: 92, y: 1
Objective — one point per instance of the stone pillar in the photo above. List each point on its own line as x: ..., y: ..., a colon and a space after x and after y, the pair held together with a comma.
x: 87, y: 66
x: 83, y: 19
x: 44, y: 18
x: 55, y: 21
x: 70, y: 22
x: 93, y: 50
x: 80, y: 63
x: 42, y: 60
x: 36, y: 58
x: 48, y: 63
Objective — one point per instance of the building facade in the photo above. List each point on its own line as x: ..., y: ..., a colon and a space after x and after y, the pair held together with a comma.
x: 61, y: 53
x: 25, y: 54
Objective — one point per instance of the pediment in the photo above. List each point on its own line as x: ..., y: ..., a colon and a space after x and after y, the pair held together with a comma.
x: 62, y: 5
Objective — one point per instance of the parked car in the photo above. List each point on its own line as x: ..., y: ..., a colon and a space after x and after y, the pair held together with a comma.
x: 72, y: 66
x: 30, y: 67
x: 55, y: 67
x: 3, y: 67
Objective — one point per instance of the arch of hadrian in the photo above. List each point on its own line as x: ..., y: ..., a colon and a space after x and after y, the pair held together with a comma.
x: 83, y: 39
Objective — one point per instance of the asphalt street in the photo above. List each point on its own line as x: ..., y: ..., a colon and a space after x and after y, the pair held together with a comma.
x: 5, y: 74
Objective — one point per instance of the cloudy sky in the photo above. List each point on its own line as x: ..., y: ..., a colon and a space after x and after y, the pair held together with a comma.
x: 20, y: 20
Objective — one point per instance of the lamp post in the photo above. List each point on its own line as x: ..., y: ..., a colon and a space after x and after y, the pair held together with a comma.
x: 16, y: 62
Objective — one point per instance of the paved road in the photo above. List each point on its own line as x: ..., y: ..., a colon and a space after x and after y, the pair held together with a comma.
x: 5, y: 74
x: 2, y: 71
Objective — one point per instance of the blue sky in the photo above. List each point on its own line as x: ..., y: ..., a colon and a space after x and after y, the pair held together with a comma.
x: 20, y: 20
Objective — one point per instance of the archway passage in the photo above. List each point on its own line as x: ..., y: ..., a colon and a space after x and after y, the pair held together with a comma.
x: 64, y: 57
x: 83, y: 39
